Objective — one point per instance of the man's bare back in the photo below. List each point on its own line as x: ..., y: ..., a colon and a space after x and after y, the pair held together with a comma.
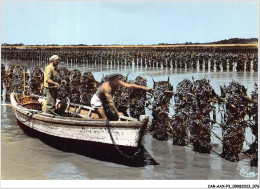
x: 108, y: 89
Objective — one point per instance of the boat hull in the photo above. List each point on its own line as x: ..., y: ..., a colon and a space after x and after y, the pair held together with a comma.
x: 96, y: 150
x: 122, y: 136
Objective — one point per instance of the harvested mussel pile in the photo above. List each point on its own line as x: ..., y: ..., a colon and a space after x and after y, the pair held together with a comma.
x: 253, y: 113
x: 74, y: 86
x: 203, y: 95
x: 138, y: 98
x: 64, y: 81
x: 35, y: 80
x: 88, y: 87
x: 183, y: 103
x: 160, y: 126
x: 233, y: 120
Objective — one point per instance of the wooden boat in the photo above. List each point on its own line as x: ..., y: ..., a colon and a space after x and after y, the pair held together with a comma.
x: 84, y: 129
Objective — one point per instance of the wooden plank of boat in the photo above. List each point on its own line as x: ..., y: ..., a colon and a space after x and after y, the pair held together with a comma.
x: 125, y: 133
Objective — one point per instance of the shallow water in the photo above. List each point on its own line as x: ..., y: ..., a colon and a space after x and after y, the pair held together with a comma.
x: 24, y: 157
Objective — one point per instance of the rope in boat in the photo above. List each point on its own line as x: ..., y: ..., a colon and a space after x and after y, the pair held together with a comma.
x: 29, y: 117
x: 118, y: 149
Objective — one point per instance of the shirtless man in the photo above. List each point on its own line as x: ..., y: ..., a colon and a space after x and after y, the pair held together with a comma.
x: 108, y: 89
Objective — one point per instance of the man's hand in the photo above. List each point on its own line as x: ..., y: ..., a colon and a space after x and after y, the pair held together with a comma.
x: 57, y: 85
x: 120, y: 113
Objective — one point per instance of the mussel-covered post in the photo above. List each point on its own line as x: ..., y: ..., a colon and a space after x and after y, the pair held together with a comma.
x: 233, y: 120
x: 35, y: 81
x: 3, y: 78
x: 138, y: 98
x: 88, y: 87
x: 18, y: 78
x: 74, y: 86
x: 64, y: 81
x: 122, y: 97
x: 179, y: 121
x: 8, y: 82
x: 160, y: 126
x: 200, y: 123
x: 253, y: 113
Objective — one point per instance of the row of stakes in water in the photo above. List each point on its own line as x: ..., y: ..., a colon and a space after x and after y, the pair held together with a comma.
x: 210, y: 58
x: 194, y: 101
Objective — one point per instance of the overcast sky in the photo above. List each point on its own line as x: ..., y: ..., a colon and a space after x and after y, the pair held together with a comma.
x: 131, y: 22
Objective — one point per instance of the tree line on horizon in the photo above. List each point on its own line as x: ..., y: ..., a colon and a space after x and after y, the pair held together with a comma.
x: 225, y: 41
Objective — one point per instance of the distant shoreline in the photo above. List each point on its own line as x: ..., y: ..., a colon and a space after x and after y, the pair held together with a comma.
x: 129, y: 46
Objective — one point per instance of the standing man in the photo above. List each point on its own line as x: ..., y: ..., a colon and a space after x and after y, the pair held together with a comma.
x: 51, y: 85
x: 107, y: 90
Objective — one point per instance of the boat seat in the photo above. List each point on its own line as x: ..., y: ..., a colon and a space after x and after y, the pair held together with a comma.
x: 78, y: 110
x: 121, y: 118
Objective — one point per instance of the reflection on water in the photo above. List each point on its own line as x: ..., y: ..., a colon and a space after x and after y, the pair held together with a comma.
x: 40, y: 161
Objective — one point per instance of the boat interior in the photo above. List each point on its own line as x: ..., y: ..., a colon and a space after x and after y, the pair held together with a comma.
x: 67, y: 109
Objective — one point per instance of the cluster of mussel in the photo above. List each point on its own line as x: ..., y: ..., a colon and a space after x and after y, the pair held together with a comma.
x: 3, y: 76
x: 122, y: 97
x: 64, y: 81
x: 182, y: 106
x: 195, y: 117
x: 236, y: 117
x: 202, y: 96
x: 88, y: 87
x: 160, y: 110
x: 75, y: 86
x: 138, y: 98
x: 192, y: 121
x: 14, y: 78
x: 35, y: 81
x: 253, y: 113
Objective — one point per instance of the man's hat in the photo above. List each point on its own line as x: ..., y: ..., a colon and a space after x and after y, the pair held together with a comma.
x: 54, y: 57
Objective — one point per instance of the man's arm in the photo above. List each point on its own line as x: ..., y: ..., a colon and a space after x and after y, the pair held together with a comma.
x: 111, y: 102
x: 47, y: 77
x: 107, y: 90
x: 52, y: 82
x: 134, y: 86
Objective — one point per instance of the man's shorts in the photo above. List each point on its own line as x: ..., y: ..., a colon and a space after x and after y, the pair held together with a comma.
x: 96, y: 102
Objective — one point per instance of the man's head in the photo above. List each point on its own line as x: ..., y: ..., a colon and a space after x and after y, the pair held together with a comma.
x: 114, y: 78
x: 55, y: 59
